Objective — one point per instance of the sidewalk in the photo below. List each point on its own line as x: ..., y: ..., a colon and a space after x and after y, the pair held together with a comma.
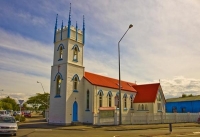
x: 40, y: 123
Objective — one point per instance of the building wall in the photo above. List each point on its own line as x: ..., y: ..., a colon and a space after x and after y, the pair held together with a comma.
x: 61, y: 107
x: 183, y: 107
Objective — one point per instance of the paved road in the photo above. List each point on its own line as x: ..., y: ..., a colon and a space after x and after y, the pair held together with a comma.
x: 37, y: 127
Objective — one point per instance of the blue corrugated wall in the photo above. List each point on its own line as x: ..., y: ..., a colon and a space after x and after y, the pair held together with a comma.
x: 183, y: 107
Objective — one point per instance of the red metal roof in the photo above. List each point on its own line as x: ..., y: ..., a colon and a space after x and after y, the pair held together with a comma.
x: 146, y: 93
x: 108, y: 82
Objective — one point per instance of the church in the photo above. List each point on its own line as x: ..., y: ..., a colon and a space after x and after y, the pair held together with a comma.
x: 78, y: 96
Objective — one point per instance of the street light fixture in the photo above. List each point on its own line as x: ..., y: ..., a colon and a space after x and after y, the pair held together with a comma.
x: 120, y: 107
x: 41, y: 85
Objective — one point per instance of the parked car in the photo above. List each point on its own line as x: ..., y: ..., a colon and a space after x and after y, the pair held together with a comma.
x: 27, y: 114
x: 8, y: 125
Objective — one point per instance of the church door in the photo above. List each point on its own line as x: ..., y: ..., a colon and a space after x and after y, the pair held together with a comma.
x: 75, y: 111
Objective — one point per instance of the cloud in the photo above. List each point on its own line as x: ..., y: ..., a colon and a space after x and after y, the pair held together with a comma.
x: 180, y: 85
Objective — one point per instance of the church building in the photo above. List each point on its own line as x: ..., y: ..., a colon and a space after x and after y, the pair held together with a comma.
x: 77, y: 95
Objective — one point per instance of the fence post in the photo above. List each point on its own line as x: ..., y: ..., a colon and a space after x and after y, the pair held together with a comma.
x: 98, y: 117
x: 147, y: 118
x: 188, y: 117
x: 161, y: 117
x: 115, y: 119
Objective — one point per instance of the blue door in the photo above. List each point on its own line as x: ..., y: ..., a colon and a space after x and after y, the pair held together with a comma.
x: 75, y: 111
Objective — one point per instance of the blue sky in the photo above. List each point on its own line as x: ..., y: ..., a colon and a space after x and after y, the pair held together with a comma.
x: 163, y: 43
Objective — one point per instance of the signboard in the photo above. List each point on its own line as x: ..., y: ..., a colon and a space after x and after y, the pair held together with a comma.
x: 21, y: 102
x: 106, y: 113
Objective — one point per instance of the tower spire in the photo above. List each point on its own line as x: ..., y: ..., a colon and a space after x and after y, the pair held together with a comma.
x: 55, y: 28
x: 83, y: 30
x: 76, y: 31
x: 69, y: 23
x: 61, y: 30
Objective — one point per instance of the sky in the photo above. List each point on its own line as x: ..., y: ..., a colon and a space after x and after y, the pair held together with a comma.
x: 162, y: 46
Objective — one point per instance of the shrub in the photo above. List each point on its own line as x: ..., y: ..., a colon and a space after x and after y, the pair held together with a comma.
x: 20, y: 119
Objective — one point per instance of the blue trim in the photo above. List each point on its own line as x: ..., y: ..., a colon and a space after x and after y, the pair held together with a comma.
x: 83, y: 30
x: 75, y: 90
x: 61, y: 45
x: 57, y: 75
x: 76, y: 75
x: 100, y: 91
x: 109, y: 92
x: 61, y: 30
x: 87, y: 110
x: 60, y: 59
x: 57, y: 96
x: 76, y: 46
x: 55, y: 29
x: 125, y: 95
x: 69, y: 23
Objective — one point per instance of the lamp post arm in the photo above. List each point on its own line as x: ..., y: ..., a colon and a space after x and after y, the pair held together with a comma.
x: 42, y: 87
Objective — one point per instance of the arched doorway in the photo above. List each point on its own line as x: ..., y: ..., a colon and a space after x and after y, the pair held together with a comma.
x: 75, y: 111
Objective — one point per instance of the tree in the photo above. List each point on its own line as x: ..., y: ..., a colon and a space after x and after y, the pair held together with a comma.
x: 184, y: 95
x: 39, y: 102
x: 5, y: 104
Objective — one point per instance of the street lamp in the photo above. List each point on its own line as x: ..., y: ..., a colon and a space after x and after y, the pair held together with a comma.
x: 41, y: 85
x: 120, y: 107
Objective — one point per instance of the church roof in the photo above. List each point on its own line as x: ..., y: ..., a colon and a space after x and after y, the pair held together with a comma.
x: 108, y: 82
x: 146, y: 93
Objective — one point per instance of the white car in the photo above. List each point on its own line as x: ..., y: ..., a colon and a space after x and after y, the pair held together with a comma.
x: 8, y: 125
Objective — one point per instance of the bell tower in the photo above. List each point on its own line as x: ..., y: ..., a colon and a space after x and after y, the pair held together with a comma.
x: 67, y: 74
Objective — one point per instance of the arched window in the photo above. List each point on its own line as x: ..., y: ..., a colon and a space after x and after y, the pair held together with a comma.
x: 88, y: 100
x: 131, y: 99
x: 100, y: 99
x: 58, y: 85
x: 142, y: 107
x: 75, y: 57
x: 75, y: 80
x: 109, y: 100
x: 75, y: 83
x: 125, y: 100
x: 61, y: 53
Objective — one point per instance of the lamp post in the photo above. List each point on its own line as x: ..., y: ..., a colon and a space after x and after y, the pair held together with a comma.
x: 41, y: 85
x: 120, y: 107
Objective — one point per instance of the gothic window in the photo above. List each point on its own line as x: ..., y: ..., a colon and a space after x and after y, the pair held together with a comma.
x: 60, y: 50
x: 88, y: 99
x: 131, y: 99
x: 75, y: 83
x: 75, y: 80
x: 75, y: 57
x: 100, y: 99
x: 58, y: 85
x: 61, y: 53
x: 109, y: 100
x: 142, y: 107
x: 125, y: 100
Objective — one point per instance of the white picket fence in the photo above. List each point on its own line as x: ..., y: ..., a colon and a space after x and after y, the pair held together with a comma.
x: 148, y: 118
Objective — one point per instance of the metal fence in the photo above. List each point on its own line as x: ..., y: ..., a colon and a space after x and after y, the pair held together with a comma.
x: 148, y: 118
